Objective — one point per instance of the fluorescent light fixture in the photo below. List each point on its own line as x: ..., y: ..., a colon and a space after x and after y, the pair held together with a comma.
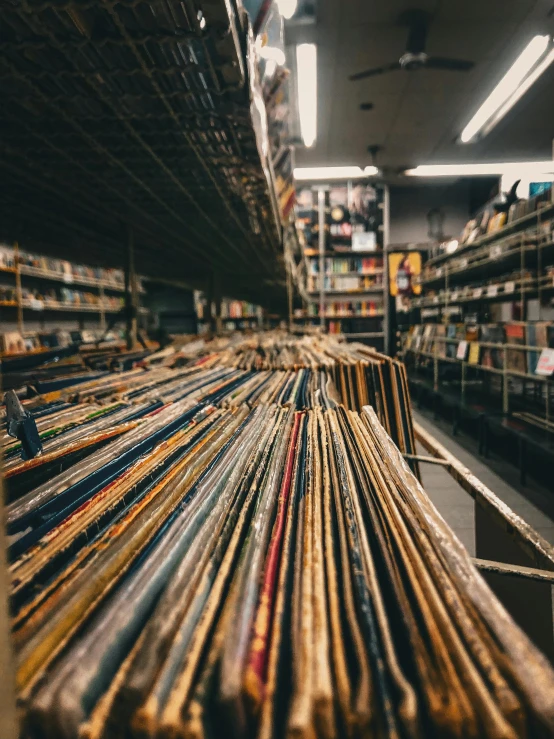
x: 306, y: 72
x: 328, y: 173
x: 508, y: 91
x: 270, y: 68
x: 371, y: 171
x: 274, y: 54
x: 287, y: 8
x: 520, y: 92
x: 491, y: 169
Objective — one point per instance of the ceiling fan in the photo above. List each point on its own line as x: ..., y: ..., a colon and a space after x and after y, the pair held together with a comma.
x: 414, y: 57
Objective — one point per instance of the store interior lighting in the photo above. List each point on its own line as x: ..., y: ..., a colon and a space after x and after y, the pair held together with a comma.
x: 273, y: 54
x: 491, y: 169
x: 306, y: 70
x: 333, y: 173
x: 287, y: 8
x: 531, y: 63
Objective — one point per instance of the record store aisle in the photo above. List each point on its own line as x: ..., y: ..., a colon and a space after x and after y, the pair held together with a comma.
x: 456, y: 506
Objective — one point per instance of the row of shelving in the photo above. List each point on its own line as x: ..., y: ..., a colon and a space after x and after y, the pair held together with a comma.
x: 496, y: 277
x: 545, y: 211
x: 348, y: 222
x: 507, y: 362
x: 50, y: 305
x: 13, y: 260
x: 40, y: 285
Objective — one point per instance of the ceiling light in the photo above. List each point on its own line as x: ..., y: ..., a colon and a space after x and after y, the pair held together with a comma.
x: 287, y: 8
x: 270, y: 68
x: 507, y: 92
x: 371, y: 171
x: 273, y: 53
x: 520, y: 92
x: 491, y: 169
x: 306, y: 72
x: 329, y: 173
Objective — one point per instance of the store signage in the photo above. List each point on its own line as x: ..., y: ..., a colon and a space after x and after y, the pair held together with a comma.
x: 462, y: 350
x: 545, y: 365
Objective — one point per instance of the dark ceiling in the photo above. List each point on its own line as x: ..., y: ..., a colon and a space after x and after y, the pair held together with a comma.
x: 418, y: 115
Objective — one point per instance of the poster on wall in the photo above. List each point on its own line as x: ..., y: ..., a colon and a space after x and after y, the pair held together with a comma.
x: 404, y: 270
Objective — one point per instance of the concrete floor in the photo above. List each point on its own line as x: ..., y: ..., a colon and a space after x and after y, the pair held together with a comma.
x: 457, y: 507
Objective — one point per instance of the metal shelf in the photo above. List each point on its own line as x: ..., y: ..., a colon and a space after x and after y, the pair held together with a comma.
x: 538, y: 215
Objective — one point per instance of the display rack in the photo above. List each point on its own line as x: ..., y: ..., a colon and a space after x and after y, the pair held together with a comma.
x: 350, y: 300
x: 515, y: 263
x: 29, y: 296
x: 234, y: 315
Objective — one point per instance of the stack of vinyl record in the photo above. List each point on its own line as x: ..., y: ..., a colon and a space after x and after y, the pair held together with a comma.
x: 240, y: 555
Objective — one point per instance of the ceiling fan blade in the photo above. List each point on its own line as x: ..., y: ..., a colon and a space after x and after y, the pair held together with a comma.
x: 450, y: 65
x: 375, y: 72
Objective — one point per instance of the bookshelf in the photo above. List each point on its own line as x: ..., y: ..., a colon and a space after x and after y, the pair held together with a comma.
x: 37, y: 287
x: 485, y: 316
x: 343, y: 228
x: 235, y: 314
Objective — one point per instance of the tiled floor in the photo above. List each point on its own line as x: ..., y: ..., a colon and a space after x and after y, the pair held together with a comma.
x: 457, y: 507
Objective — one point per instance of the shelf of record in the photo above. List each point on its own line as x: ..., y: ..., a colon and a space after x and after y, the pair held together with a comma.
x: 519, y: 348
x: 338, y: 309
x: 14, y: 343
x: 62, y: 299
x: 525, y: 222
x: 33, y: 265
x: 231, y: 310
x: 495, y: 279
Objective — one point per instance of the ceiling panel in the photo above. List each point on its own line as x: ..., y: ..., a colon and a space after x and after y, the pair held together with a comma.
x: 418, y: 116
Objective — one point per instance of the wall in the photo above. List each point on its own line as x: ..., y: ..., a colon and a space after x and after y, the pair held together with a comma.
x: 409, y: 207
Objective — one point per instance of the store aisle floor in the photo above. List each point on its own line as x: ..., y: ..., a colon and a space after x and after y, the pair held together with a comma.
x: 457, y: 507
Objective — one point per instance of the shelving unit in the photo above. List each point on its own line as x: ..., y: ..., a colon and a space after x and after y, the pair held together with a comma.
x: 251, y: 316
x: 350, y: 300
x: 107, y: 298
x: 485, y: 315
x: 507, y: 264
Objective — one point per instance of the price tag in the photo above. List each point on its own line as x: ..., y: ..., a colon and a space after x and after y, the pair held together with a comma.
x: 35, y: 304
x: 509, y: 287
x: 461, y: 352
x: 477, y: 292
x: 496, y: 251
x: 545, y: 365
x: 67, y: 278
x: 492, y: 291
